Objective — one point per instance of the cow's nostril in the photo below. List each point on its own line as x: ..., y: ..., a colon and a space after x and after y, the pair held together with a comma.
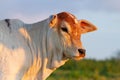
x: 82, y: 51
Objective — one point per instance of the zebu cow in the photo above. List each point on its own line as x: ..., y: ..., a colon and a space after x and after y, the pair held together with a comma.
x: 34, y: 51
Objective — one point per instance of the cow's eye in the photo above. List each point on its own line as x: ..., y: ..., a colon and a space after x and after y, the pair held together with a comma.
x: 64, y: 29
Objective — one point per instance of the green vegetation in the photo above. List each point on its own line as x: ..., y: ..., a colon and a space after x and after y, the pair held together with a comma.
x: 88, y: 69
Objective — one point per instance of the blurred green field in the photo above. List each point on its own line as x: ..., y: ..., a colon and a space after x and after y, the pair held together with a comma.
x: 88, y: 69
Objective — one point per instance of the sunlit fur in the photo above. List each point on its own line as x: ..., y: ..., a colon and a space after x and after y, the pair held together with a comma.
x: 71, y: 41
x: 34, y: 51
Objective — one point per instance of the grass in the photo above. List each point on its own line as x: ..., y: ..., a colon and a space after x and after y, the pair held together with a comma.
x: 88, y: 70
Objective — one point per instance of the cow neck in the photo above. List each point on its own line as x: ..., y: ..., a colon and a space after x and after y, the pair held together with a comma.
x: 38, y: 33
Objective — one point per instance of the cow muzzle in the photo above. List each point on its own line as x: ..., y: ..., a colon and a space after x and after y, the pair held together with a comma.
x: 81, y: 54
x: 81, y: 51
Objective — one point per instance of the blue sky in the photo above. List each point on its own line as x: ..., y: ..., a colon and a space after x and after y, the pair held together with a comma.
x: 105, y: 14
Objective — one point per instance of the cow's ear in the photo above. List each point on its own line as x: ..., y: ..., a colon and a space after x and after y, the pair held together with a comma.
x: 86, y: 26
x: 52, y: 20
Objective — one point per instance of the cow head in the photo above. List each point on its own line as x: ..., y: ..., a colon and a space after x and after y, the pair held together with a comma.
x: 66, y: 31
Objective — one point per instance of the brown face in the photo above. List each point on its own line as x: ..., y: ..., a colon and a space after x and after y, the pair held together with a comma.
x: 70, y: 30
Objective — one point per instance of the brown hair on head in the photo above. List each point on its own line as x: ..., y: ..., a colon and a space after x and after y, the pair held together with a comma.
x: 67, y: 17
x: 72, y: 21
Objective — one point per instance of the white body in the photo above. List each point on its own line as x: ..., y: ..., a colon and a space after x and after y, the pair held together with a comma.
x: 33, y: 51
x: 23, y: 55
